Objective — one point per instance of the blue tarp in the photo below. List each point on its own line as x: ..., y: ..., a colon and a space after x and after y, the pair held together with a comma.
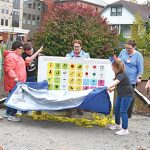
x: 32, y: 96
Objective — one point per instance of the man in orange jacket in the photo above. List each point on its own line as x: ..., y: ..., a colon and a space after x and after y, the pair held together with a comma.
x: 14, y: 71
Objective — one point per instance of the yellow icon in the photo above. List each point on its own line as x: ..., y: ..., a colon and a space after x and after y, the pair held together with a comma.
x: 72, y: 66
x: 71, y: 73
x: 50, y: 73
x: 71, y: 81
x: 78, y: 88
x: 50, y: 65
x: 71, y: 88
x: 79, y: 81
x: 79, y: 74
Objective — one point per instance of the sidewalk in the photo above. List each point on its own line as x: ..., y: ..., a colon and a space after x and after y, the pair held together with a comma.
x: 48, y: 135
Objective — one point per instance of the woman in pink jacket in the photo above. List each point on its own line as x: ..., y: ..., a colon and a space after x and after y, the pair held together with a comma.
x: 14, y: 71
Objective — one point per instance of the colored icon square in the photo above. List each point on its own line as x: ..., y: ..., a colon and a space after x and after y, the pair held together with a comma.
x: 79, y: 81
x: 101, y: 82
x: 79, y: 74
x: 65, y: 66
x: 85, y: 87
x: 78, y: 88
x: 57, y: 65
x: 56, y: 86
x: 92, y: 87
x: 86, y: 81
x: 71, y: 81
x: 56, y: 80
x: 79, y: 67
x: 50, y: 86
x: 50, y: 80
x: 93, y: 82
x: 72, y: 74
x: 71, y: 88
x: 57, y: 73
x: 72, y: 66
x: 50, y: 72
x: 51, y: 65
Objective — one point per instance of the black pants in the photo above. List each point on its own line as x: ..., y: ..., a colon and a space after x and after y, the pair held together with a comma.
x: 130, y: 110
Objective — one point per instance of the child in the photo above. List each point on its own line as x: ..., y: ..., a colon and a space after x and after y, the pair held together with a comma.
x: 124, y: 98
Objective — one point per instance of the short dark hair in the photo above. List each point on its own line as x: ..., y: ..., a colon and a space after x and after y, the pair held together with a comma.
x: 27, y: 46
x: 16, y: 44
x: 131, y: 42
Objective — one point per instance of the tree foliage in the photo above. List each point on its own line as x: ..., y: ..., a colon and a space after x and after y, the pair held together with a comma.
x: 71, y: 22
x: 141, y: 33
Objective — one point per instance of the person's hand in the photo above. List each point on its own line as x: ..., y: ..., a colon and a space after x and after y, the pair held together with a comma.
x: 110, y: 89
x: 16, y: 79
x: 138, y: 80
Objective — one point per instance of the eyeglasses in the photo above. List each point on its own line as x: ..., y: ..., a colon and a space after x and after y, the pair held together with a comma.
x: 127, y: 48
x: 77, y: 46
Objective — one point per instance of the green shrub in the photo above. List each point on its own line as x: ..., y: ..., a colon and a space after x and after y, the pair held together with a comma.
x: 71, y: 22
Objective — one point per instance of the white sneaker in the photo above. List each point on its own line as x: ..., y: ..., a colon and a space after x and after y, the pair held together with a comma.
x: 115, y: 127
x: 14, y: 119
x: 122, y: 132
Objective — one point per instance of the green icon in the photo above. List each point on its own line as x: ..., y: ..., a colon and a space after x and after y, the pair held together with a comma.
x: 56, y: 87
x: 57, y: 65
x: 50, y: 86
x: 64, y: 66
x: 56, y: 80
x: 57, y: 73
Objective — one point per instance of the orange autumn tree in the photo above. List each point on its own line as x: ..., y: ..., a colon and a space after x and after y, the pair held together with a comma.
x: 71, y: 22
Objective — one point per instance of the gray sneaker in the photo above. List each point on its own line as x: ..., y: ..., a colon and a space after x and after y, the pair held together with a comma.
x: 14, y: 119
x: 6, y: 115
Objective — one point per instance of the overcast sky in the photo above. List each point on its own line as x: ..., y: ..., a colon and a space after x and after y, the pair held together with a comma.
x: 139, y: 1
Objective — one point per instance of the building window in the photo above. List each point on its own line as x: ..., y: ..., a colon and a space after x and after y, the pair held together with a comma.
x: 30, y: 4
x: 7, y: 10
x: 2, y: 10
x: 116, y: 11
x: 2, y: 22
x: 38, y: 20
x: 24, y: 18
x: 39, y: 6
x: 6, y: 22
x: 29, y: 19
x: 25, y: 3
x: 33, y: 19
x: 34, y: 5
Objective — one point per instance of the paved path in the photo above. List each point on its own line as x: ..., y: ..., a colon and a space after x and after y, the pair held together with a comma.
x: 48, y: 135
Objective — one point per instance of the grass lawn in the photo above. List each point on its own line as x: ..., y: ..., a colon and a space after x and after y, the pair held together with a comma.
x: 146, y: 74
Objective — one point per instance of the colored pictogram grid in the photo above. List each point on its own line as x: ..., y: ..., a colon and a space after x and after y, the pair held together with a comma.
x: 74, y: 77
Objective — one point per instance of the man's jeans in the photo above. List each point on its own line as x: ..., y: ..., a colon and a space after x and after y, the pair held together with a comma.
x: 121, y: 107
x: 11, y: 111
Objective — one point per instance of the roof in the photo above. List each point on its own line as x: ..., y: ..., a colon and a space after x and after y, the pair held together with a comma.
x: 134, y: 8
x: 95, y: 2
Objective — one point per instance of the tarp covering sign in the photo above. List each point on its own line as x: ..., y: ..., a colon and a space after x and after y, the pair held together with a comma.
x: 36, y: 96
